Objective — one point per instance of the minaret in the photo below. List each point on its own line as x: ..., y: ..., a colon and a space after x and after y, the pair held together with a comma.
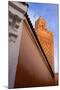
x: 46, y: 39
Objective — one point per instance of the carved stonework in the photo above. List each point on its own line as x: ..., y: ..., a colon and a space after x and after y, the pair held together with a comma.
x: 16, y: 14
x: 14, y: 22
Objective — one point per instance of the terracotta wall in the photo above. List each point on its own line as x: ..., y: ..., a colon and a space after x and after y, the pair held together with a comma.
x: 31, y: 69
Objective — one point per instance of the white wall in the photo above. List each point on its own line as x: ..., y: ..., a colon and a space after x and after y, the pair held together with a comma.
x: 13, y: 56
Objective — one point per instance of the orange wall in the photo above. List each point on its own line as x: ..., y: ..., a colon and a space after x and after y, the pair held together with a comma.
x: 31, y: 69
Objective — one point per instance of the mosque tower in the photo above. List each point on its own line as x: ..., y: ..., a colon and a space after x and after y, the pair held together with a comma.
x: 46, y: 39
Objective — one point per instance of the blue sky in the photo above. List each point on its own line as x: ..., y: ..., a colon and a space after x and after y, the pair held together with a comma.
x: 50, y: 13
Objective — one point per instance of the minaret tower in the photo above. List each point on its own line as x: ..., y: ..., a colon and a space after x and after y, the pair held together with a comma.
x: 46, y: 39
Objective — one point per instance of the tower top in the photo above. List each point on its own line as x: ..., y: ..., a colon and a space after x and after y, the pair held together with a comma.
x: 40, y: 23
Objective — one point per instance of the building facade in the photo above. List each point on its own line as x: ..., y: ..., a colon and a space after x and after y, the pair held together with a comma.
x: 16, y: 11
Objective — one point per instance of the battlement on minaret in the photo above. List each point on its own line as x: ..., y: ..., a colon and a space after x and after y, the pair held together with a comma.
x: 40, y: 23
x: 41, y: 27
